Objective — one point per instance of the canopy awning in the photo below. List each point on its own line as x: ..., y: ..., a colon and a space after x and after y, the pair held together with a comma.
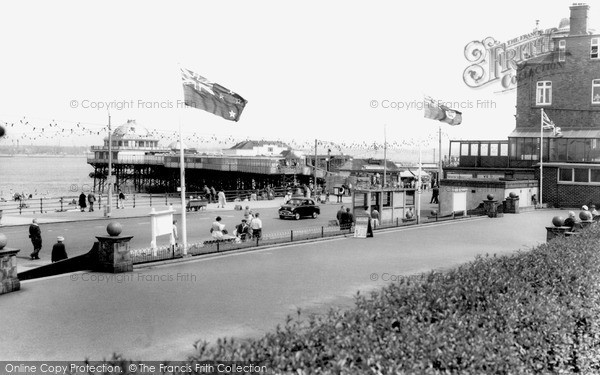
x: 566, y: 133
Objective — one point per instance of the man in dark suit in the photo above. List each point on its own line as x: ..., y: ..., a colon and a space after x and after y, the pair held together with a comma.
x: 35, y: 234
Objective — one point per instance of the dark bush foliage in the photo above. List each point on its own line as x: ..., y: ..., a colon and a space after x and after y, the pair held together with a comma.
x: 535, y: 312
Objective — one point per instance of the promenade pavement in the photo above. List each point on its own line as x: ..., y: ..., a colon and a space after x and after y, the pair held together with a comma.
x: 159, y: 311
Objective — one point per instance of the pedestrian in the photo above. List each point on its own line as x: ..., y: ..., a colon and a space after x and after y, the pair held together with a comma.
x: 206, y: 193
x: 217, y: 228
x: 375, y: 218
x: 174, y: 236
x: 256, y: 226
x: 241, y: 230
x: 91, y: 199
x: 222, y: 199
x: 35, y: 234
x: 410, y: 214
x: 121, y: 199
x: 59, y: 252
x: 339, y: 214
x: 82, y: 201
x: 213, y: 195
x: 593, y: 211
x: 435, y: 194
x: 345, y: 220
x: 247, y: 213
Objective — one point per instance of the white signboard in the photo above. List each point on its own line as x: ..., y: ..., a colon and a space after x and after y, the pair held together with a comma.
x: 161, y: 223
x: 459, y: 201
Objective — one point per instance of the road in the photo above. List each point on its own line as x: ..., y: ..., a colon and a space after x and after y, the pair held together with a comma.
x: 80, y: 236
x: 159, y: 312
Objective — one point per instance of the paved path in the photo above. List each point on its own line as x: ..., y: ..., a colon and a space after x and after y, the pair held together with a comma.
x: 159, y: 312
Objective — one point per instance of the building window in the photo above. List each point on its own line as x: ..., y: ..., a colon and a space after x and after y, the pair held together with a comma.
x: 595, y: 175
x: 565, y: 175
x: 594, y: 48
x: 484, y: 149
x: 543, y: 93
x: 474, y: 149
x: 562, y: 47
x: 596, y: 91
x: 464, y: 149
x: 581, y: 175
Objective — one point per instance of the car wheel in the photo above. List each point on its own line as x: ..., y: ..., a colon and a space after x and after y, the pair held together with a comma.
x: 315, y: 215
x: 297, y: 216
x: 281, y: 217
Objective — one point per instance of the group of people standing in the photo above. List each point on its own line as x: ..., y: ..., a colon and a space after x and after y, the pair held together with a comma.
x: 345, y: 218
x: 89, y: 200
x: 211, y: 195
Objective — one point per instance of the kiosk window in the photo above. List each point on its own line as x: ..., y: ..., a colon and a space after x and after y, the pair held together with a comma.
x: 386, y: 199
x: 410, y: 198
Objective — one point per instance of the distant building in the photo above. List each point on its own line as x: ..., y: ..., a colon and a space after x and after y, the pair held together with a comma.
x: 368, y: 172
x: 258, y: 148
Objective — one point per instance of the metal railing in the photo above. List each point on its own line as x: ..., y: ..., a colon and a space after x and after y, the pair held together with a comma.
x: 45, y: 205
x: 146, y: 255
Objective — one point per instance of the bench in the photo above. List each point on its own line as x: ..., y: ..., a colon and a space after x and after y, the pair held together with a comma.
x: 196, y: 204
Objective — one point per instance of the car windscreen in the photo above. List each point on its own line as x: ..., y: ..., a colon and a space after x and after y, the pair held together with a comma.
x: 294, y: 202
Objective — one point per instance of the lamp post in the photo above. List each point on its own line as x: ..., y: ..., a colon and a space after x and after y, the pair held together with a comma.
x: 107, y: 211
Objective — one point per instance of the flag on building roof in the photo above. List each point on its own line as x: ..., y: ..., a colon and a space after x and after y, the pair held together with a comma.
x: 202, y: 94
x: 440, y: 112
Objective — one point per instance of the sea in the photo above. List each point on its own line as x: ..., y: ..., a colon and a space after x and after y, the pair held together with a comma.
x: 44, y: 176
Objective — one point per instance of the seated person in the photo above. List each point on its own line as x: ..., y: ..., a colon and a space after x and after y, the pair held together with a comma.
x: 572, y: 222
x: 218, y: 229
x: 242, y: 230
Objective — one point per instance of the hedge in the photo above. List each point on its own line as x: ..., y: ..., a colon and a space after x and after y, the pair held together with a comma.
x: 533, y: 312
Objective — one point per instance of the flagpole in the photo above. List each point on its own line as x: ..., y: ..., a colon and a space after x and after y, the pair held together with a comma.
x: 541, y: 153
x: 384, y: 155
x: 182, y: 183
x: 419, y: 188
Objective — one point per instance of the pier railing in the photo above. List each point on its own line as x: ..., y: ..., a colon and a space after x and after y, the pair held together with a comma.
x: 46, y: 205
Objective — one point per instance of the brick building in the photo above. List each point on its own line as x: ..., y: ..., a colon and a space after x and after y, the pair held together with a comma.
x: 565, y: 83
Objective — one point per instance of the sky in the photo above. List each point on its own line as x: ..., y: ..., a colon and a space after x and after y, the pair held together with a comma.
x: 336, y: 71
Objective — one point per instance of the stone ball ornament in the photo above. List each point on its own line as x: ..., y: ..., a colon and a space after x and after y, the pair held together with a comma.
x: 490, y: 197
x: 513, y: 195
x: 585, y: 215
x: 3, y: 240
x: 558, y: 221
x: 114, y: 229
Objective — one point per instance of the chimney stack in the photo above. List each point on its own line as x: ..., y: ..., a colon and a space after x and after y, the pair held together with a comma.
x: 579, y: 18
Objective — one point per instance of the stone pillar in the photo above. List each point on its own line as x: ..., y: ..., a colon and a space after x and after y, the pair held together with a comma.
x: 491, y: 207
x: 553, y: 232
x: 113, y: 254
x: 9, y: 282
x: 512, y: 205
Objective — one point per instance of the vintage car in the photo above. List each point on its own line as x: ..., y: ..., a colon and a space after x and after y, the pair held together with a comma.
x: 299, y: 207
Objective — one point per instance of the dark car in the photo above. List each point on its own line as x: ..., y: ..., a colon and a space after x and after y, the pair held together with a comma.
x: 299, y: 207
